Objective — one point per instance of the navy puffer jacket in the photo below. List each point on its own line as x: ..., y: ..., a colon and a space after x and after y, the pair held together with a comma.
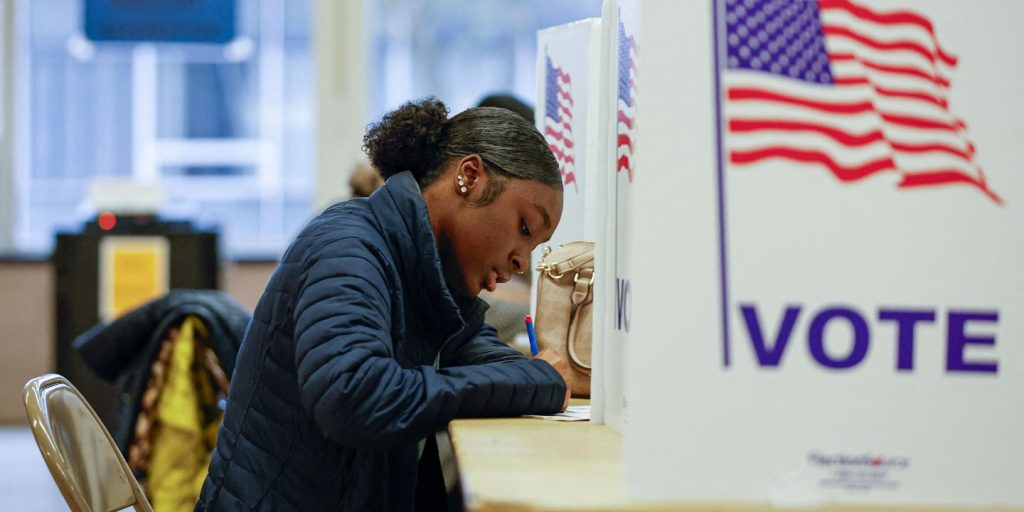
x: 335, y: 383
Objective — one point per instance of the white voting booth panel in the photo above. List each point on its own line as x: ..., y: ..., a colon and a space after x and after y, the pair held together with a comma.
x: 568, y: 61
x: 620, y: 19
x: 827, y: 254
x: 567, y: 113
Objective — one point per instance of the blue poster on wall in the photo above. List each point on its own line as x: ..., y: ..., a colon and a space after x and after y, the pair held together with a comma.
x: 199, y: 21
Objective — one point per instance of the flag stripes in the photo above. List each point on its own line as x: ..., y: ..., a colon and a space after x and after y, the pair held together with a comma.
x: 843, y: 87
x: 558, y: 105
x: 626, y: 111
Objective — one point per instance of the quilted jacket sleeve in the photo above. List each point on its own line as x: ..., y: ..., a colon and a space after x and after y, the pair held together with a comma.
x: 482, y: 348
x: 353, y: 387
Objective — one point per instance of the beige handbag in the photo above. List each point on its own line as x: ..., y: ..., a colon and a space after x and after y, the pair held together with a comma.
x: 565, y: 296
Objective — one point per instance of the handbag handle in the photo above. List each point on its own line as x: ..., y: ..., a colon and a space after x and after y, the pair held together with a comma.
x: 581, y: 296
x: 558, y: 269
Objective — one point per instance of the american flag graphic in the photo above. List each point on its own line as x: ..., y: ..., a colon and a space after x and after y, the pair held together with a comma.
x: 626, y: 102
x: 852, y: 90
x: 558, y: 107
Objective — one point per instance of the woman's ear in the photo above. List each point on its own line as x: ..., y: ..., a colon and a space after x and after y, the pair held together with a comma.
x: 470, y: 175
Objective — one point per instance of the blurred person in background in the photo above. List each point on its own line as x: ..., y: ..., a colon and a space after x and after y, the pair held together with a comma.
x: 509, y: 102
x: 365, y: 180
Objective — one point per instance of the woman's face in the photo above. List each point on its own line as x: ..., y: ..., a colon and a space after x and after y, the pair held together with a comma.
x: 484, y: 245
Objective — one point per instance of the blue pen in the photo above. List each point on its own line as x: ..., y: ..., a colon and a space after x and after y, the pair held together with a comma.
x: 533, y: 335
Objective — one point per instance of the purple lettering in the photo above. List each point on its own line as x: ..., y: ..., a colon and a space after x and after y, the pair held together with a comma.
x: 905, y: 321
x: 769, y: 356
x: 770, y: 345
x: 816, y: 338
x: 958, y: 339
x: 622, y: 304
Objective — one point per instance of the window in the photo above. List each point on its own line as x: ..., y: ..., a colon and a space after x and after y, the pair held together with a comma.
x: 226, y: 129
x: 461, y: 50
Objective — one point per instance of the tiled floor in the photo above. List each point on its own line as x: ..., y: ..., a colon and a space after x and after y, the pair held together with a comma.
x: 25, y: 483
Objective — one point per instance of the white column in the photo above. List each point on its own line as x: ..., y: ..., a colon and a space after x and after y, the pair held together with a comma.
x: 7, y: 203
x: 271, y: 102
x: 144, y: 105
x: 340, y: 46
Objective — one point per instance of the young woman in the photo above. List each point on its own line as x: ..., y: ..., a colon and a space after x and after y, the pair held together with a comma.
x: 370, y: 337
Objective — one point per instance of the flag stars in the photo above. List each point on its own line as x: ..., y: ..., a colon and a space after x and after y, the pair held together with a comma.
x: 776, y: 36
x: 822, y: 60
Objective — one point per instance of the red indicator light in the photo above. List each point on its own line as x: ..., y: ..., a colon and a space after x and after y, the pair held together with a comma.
x: 107, y: 221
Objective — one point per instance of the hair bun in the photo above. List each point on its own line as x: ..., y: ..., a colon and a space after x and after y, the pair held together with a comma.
x: 408, y: 138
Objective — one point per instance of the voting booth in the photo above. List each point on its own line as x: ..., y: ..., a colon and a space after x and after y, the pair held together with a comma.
x: 587, y: 74
x: 824, y: 294
x: 568, y: 81
x: 568, y: 115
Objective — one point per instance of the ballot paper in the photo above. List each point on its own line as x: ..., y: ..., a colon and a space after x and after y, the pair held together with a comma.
x: 573, y: 413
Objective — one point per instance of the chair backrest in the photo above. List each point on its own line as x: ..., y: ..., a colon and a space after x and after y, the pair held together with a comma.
x: 83, y: 459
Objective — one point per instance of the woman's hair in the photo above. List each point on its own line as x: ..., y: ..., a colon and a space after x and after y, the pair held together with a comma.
x: 419, y: 137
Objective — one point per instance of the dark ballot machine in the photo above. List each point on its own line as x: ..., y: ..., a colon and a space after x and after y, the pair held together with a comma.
x: 109, y: 266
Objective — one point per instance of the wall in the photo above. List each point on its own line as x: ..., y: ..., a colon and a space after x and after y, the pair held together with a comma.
x: 27, y: 321
x: 26, y: 331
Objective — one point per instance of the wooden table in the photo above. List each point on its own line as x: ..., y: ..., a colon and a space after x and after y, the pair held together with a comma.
x: 537, y: 465
x: 533, y: 464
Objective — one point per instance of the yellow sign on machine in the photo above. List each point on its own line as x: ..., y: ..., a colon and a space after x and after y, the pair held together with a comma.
x: 133, y: 271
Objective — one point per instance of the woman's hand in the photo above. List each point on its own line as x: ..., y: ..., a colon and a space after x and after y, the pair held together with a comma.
x: 562, y: 367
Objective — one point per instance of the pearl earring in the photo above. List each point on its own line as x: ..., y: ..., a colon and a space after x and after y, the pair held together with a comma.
x: 462, y: 185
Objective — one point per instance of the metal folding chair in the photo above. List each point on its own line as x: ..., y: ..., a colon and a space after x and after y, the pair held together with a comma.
x: 83, y: 459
